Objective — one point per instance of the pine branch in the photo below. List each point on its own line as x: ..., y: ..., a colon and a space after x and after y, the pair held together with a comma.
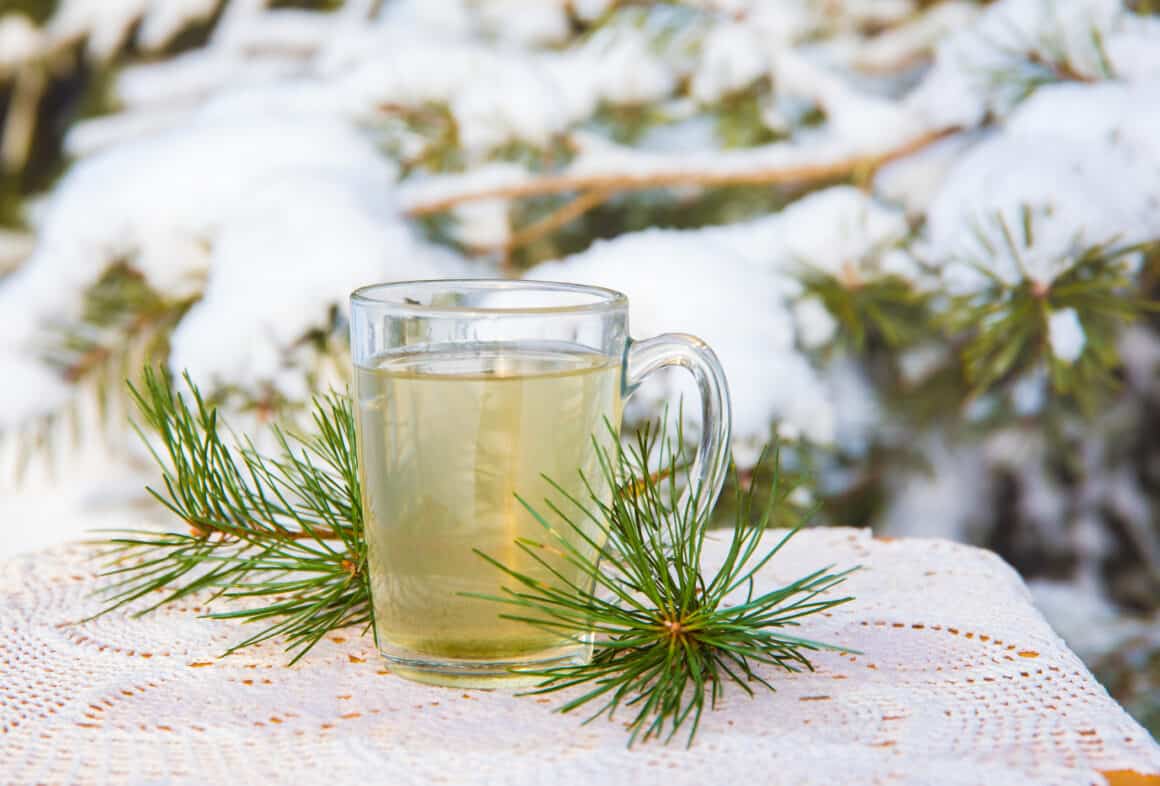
x: 1031, y: 61
x: 683, y: 175
x: 1006, y: 325
x: 284, y: 536
x: 124, y: 324
x: 287, y: 530
x: 884, y: 308
x: 670, y: 637
x: 562, y: 216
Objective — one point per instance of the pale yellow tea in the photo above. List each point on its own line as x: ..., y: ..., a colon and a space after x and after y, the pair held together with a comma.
x: 447, y: 439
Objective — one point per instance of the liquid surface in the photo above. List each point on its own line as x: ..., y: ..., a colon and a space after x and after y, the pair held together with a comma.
x: 446, y: 440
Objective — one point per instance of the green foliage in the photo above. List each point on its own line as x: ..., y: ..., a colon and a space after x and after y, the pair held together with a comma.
x: 672, y: 30
x: 284, y: 534
x: 36, y: 10
x: 885, y: 310
x: 124, y: 324
x: 767, y: 484
x: 1144, y: 7
x: 670, y: 638
x: 1007, y: 323
x: 627, y: 123
x: 1031, y: 62
x: 738, y: 118
x: 636, y: 211
x: 431, y: 122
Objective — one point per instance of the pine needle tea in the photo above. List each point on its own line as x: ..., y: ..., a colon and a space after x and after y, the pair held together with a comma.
x: 447, y: 441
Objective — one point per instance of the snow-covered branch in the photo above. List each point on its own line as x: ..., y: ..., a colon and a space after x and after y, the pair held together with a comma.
x: 613, y: 170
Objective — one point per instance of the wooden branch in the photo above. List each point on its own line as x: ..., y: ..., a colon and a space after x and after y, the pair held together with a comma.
x: 20, y: 130
x: 608, y: 185
x: 548, y: 224
x: 204, y: 530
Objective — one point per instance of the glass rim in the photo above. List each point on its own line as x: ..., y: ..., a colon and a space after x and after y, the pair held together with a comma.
x: 603, y: 299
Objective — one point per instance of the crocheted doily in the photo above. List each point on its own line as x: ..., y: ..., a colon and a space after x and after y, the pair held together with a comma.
x: 960, y: 681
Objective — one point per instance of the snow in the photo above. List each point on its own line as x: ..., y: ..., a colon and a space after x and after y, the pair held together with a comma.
x: 914, y: 181
x: 90, y: 136
x: 296, y: 249
x: 837, y: 231
x: 1132, y: 51
x: 39, y: 391
x: 14, y: 248
x: 1031, y: 204
x: 591, y: 9
x: 815, y: 325
x: 539, y: 23
x: 858, y: 413
x: 493, y: 96
x: 187, y: 78
x: 903, y: 45
x: 732, y: 58
x: 19, y: 40
x: 1139, y: 350
x: 917, y: 363
x: 283, y: 31
x: 865, y: 122
x: 623, y: 68
x: 686, y: 282
x: 1089, y: 623
x: 482, y: 224
x: 1029, y: 393
x: 238, y: 183
x: 1093, y: 179
x: 1065, y: 334
x: 166, y: 20
x: 421, y: 190
x: 947, y: 499
x: 962, y: 86
x: 1113, y: 119
x: 107, y: 25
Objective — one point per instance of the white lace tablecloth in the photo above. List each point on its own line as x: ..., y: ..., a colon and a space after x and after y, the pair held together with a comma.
x: 960, y: 681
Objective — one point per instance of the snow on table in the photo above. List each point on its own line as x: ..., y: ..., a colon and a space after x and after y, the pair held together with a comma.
x: 959, y: 681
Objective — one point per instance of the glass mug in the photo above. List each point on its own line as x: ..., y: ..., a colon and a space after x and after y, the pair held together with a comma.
x: 469, y: 392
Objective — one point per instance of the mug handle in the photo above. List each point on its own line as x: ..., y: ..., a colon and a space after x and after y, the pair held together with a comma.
x: 689, y: 352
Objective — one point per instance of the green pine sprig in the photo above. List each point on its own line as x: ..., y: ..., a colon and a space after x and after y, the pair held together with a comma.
x: 1006, y: 325
x: 284, y: 534
x: 670, y: 636
x: 283, y: 537
x: 883, y: 309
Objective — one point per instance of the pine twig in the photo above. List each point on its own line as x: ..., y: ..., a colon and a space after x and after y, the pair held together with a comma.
x: 670, y: 637
x: 287, y: 530
x: 1006, y: 324
x: 558, y: 218
x: 613, y: 184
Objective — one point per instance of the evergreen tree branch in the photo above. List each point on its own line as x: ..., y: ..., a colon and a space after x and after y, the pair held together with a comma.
x: 562, y: 216
x: 612, y: 184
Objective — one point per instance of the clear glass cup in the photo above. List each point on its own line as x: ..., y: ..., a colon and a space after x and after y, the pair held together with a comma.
x: 467, y: 393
